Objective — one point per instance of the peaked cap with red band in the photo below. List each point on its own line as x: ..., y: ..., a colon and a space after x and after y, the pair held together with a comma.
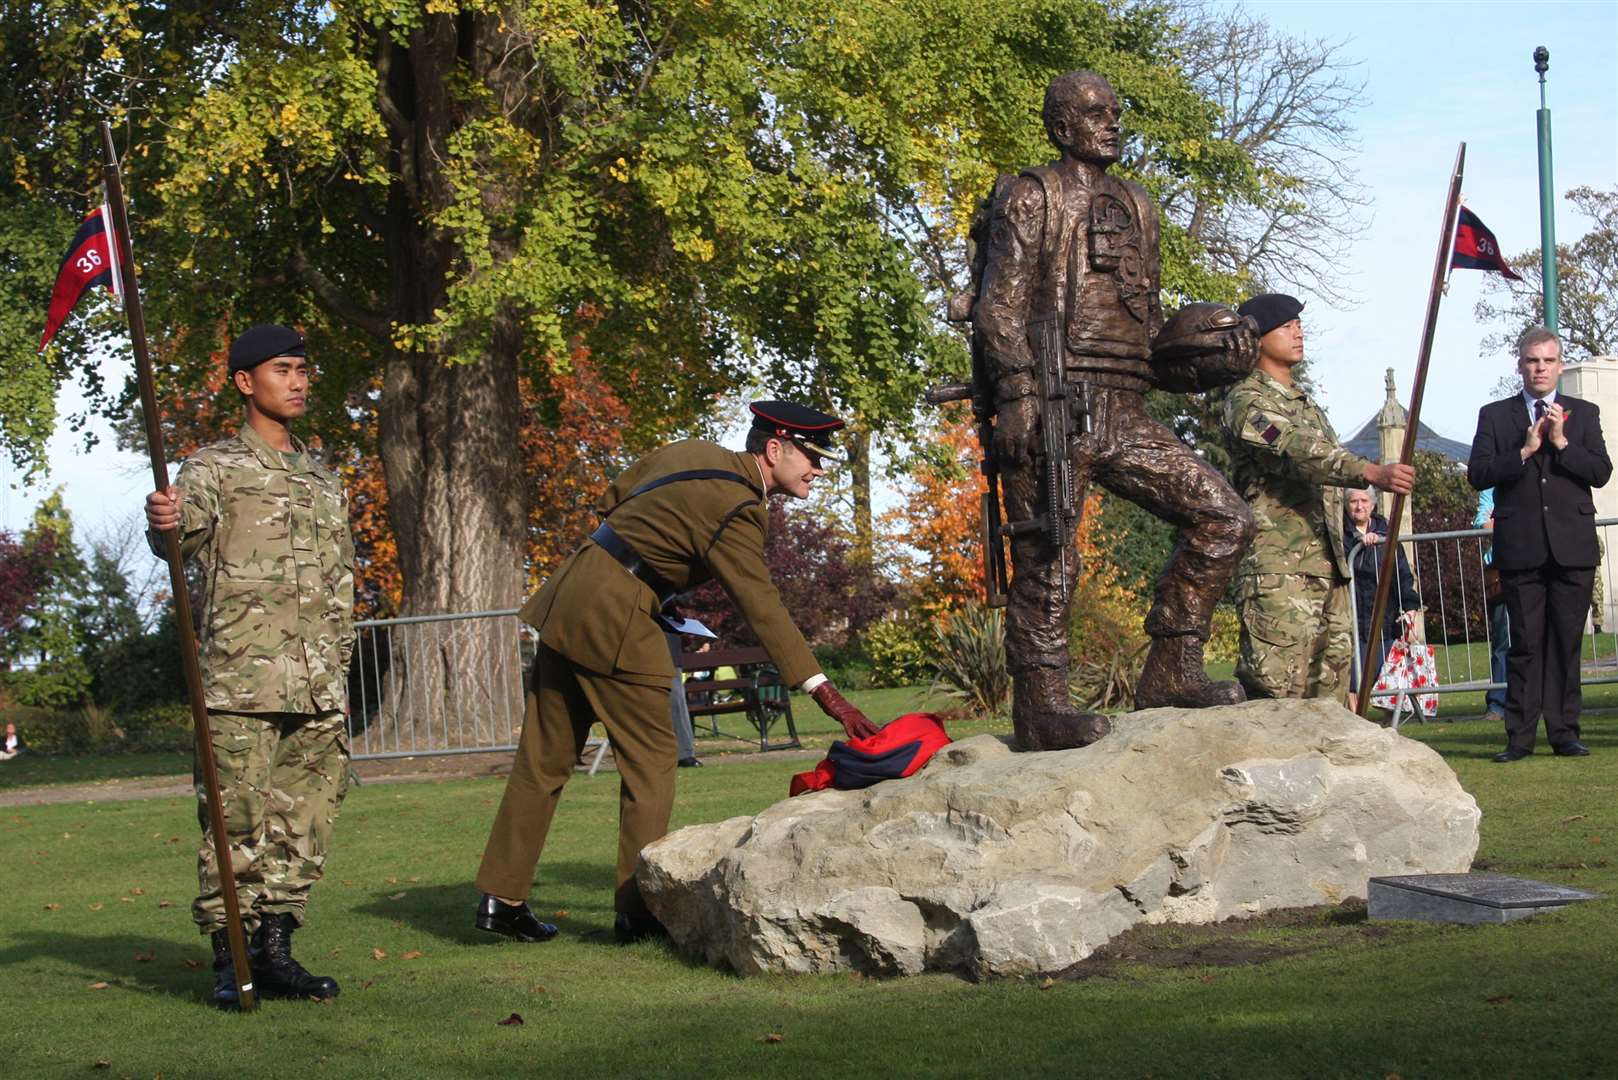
x: 809, y: 428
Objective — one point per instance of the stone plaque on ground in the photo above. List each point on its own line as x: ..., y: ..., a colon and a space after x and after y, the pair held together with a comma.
x: 1466, y: 898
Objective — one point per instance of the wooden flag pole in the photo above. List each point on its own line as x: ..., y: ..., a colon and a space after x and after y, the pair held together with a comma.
x: 1389, y: 572
x: 182, y: 596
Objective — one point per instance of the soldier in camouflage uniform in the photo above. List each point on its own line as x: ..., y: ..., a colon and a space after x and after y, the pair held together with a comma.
x: 268, y: 528
x: 1292, y: 586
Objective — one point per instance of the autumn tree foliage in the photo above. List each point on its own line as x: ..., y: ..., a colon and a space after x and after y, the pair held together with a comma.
x: 572, y: 440
x: 940, y: 517
x: 831, y: 596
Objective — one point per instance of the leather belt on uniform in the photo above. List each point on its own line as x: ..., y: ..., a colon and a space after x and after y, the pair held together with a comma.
x: 616, y: 546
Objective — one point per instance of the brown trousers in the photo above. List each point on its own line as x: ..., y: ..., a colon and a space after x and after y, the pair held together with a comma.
x: 564, y: 702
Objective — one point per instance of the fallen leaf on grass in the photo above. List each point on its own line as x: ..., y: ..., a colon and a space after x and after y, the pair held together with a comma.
x: 165, y: 903
x: 1499, y: 999
x: 536, y: 990
x: 194, y: 965
x: 145, y: 957
x: 99, y: 985
x: 513, y: 1020
x: 102, y: 1064
x: 773, y: 1037
x: 1575, y: 817
x: 1046, y: 983
x: 393, y: 881
x: 562, y: 914
x: 137, y: 891
x: 367, y: 984
x: 397, y: 896
x: 413, y: 954
x: 1208, y: 979
x: 126, y: 899
x: 97, y: 906
x: 412, y: 880
x: 378, y: 954
x: 174, y: 839
x: 67, y: 836
x: 53, y: 907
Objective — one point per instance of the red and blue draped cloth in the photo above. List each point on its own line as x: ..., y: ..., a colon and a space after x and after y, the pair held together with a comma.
x: 91, y: 259
x: 898, y: 749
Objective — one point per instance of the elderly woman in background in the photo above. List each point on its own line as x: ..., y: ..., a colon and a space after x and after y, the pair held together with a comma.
x: 1362, y: 525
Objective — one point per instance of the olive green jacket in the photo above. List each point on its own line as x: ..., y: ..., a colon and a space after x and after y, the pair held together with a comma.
x: 275, y: 617
x: 1285, y: 460
x: 599, y: 616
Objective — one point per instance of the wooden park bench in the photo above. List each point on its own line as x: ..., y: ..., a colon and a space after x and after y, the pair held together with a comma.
x: 757, y: 691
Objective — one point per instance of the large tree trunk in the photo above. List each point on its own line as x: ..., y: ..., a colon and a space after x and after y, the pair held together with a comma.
x: 859, y: 473
x: 449, y: 438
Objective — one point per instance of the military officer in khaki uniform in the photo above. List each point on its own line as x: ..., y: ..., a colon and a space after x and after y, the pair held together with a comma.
x: 687, y: 513
x: 1292, y: 585
x: 268, y: 528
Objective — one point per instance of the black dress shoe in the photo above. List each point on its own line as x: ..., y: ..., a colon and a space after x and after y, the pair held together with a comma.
x: 628, y: 929
x: 1571, y: 749
x: 1512, y: 753
x: 514, y: 921
x: 690, y: 763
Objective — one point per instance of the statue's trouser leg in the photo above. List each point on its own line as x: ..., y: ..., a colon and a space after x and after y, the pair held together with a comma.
x: 1040, y: 600
x: 1148, y: 465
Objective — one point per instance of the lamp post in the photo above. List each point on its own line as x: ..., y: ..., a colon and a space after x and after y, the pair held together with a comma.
x: 1547, y: 196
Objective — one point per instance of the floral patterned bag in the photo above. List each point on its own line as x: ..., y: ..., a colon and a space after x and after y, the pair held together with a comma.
x: 1410, y: 665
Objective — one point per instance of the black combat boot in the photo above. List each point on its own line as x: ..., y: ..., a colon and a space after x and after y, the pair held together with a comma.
x: 275, y: 973
x: 1173, y: 675
x: 225, y: 993
x: 1043, y: 716
x: 628, y: 929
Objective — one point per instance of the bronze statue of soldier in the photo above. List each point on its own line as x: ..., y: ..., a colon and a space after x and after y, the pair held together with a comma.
x: 1066, y: 318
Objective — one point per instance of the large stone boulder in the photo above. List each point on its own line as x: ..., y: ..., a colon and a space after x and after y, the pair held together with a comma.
x: 989, y: 862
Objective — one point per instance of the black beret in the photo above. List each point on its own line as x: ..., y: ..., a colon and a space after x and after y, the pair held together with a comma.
x: 809, y: 427
x: 259, y: 343
x: 1270, y: 310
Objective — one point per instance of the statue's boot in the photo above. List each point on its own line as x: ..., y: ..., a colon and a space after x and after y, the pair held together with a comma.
x: 1173, y: 675
x: 1043, y: 716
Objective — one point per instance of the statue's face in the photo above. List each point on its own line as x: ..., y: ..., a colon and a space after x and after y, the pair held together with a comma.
x: 1089, y: 127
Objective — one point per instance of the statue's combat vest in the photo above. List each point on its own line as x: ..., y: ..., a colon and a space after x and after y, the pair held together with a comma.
x: 1097, y: 262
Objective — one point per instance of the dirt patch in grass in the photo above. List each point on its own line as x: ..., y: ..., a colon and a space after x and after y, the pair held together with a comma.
x: 1235, y: 942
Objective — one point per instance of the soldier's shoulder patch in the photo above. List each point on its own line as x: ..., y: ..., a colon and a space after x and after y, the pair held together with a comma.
x: 1270, y: 432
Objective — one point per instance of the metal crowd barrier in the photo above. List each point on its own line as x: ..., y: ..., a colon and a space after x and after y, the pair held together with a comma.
x: 438, y: 684
x: 1447, y: 568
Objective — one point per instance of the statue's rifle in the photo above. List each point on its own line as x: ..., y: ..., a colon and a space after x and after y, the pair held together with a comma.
x: 1062, y: 406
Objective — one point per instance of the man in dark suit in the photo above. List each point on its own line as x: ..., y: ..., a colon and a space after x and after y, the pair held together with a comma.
x: 1542, y: 453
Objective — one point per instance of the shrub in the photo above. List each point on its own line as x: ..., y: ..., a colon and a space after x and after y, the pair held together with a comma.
x: 968, y: 659
x: 159, y: 727
x: 1224, y: 644
x: 897, y: 649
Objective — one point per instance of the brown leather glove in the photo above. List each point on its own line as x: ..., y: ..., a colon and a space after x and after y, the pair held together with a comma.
x: 834, y: 705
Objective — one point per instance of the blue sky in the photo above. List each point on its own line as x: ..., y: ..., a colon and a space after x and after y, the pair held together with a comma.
x: 1436, y: 74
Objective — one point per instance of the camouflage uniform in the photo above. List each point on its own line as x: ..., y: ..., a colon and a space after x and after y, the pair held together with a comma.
x: 1292, y: 586
x: 269, y: 532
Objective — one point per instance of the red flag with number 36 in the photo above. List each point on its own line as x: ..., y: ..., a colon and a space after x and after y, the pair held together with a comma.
x: 1477, y: 249
x: 91, y: 259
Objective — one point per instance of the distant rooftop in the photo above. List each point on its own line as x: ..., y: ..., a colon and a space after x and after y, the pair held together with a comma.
x: 1366, y: 441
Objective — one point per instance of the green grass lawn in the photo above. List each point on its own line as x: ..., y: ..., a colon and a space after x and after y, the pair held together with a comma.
x: 97, y: 894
